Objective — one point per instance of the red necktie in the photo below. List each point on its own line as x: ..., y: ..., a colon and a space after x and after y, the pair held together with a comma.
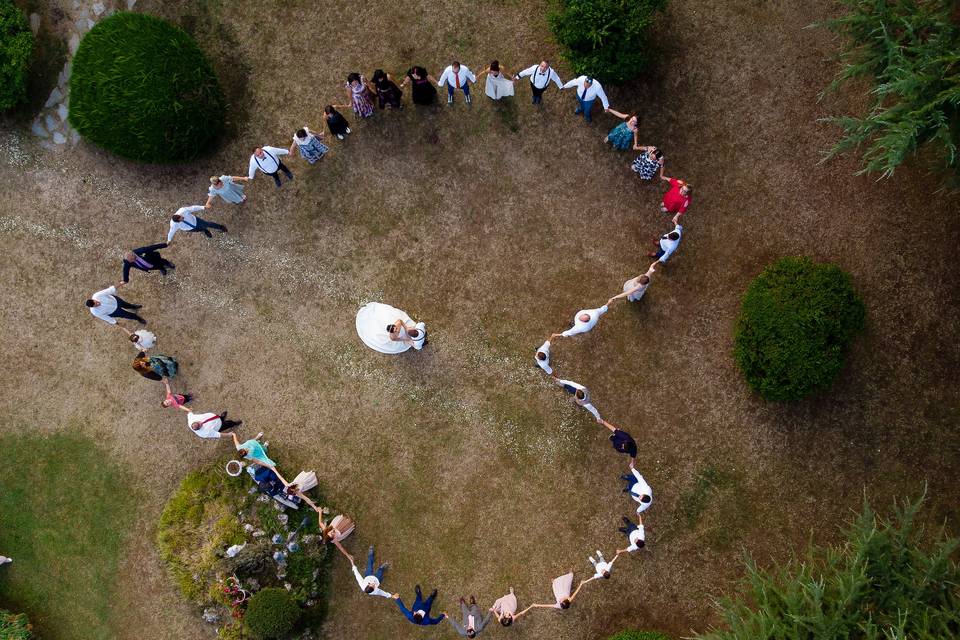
x: 456, y: 75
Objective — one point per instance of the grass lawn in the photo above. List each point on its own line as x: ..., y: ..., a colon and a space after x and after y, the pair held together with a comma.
x: 463, y: 464
x: 66, y: 512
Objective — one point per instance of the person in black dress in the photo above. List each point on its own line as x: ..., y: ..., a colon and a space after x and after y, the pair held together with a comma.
x: 423, y: 91
x: 337, y: 124
x: 387, y: 92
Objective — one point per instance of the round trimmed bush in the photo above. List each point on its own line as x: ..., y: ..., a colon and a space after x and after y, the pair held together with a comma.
x: 796, y: 322
x: 606, y: 39
x: 272, y: 613
x: 639, y: 635
x: 16, y: 47
x: 141, y: 88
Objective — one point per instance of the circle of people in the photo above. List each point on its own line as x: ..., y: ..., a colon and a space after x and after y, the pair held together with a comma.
x: 390, y: 330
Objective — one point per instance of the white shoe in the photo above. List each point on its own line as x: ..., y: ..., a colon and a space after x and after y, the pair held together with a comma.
x: 259, y: 435
x: 348, y: 130
x: 339, y: 136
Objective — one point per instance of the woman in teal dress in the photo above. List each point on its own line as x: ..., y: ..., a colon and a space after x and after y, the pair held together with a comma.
x: 227, y: 187
x: 624, y: 135
x: 254, y: 452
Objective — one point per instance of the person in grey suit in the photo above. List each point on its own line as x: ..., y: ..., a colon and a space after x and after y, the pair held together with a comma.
x: 473, y: 620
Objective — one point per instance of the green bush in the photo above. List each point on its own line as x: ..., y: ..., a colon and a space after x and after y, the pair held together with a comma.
x: 14, y: 626
x: 16, y: 48
x: 639, y: 635
x: 141, y: 88
x: 272, y: 613
x: 909, y: 51
x: 887, y: 581
x: 606, y: 39
x: 796, y: 322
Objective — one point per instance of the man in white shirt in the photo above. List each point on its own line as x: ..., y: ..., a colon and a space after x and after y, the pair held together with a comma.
x: 585, y: 320
x: 638, y: 489
x: 634, y: 533
x: 668, y: 242
x: 267, y: 160
x: 588, y: 90
x: 370, y: 581
x: 457, y: 76
x: 581, y: 395
x: 108, y: 306
x: 601, y: 567
x: 542, y: 358
x: 541, y: 75
x: 185, y: 220
x: 209, y: 425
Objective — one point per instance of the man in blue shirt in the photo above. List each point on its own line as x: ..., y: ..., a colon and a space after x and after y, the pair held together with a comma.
x: 419, y: 613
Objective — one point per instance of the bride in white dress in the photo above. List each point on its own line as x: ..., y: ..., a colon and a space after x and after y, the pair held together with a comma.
x: 499, y: 82
x: 389, y: 330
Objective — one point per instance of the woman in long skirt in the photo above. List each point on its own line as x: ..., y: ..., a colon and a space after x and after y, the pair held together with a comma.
x: 337, y: 124
x: 308, y: 142
x: 499, y: 81
x: 228, y: 188
x: 359, y: 94
x: 386, y: 89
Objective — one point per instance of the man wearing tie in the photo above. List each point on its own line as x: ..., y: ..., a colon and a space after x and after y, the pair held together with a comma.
x: 146, y: 259
x: 541, y: 75
x: 588, y: 90
x: 457, y: 76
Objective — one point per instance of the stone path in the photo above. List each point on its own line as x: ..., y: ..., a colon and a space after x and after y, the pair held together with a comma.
x: 79, y: 16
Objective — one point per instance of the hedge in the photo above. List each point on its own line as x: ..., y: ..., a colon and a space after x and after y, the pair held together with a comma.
x: 272, y: 613
x: 15, y: 626
x: 141, y: 88
x: 16, y: 48
x: 606, y: 39
x: 796, y: 323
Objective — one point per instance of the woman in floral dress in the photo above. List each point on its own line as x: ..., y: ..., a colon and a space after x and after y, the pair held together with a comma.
x: 360, y: 98
x: 308, y: 142
x: 648, y: 163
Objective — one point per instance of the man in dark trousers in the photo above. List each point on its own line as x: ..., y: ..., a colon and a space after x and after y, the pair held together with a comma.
x: 146, y: 259
x: 419, y: 613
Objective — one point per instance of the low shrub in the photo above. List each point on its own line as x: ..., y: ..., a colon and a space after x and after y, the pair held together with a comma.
x: 16, y: 49
x: 796, y: 322
x: 639, y: 635
x: 15, y: 626
x: 272, y: 613
x: 606, y: 39
x: 141, y: 88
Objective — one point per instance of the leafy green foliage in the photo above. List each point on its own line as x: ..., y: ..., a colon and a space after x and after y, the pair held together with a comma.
x: 639, y: 635
x: 883, y: 583
x: 796, y: 323
x: 14, y: 626
x: 606, y: 39
x: 16, y: 48
x: 910, y: 51
x: 212, y: 511
x: 141, y: 88
x: 272, y: 613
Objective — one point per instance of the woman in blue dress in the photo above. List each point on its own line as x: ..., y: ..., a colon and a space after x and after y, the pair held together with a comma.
x: 254, y: 452
x: 228, y: 188
x: 624, y: 136
x: 308, y: 142
x: 360, y: 98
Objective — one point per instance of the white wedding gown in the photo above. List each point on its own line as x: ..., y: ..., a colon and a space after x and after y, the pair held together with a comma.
x: 372, y: 321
